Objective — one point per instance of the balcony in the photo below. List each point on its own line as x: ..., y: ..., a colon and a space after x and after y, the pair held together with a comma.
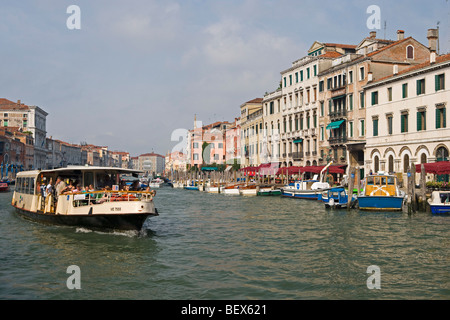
x: 297, y: 156
x: 338, y: 114
x: 337, y: 140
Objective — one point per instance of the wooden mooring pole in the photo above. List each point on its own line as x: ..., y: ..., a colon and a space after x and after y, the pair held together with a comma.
x: 351, y: 182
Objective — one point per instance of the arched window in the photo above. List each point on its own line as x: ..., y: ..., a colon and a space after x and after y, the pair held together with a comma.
x: 376, y: 164
x: 423, y: 158
x: 405, y: 163
x: 409, y: 52
x: 391, y: 163
x: 442, y: 154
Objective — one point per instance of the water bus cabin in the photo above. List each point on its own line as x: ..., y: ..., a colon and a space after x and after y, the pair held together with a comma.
x: 102, y: 206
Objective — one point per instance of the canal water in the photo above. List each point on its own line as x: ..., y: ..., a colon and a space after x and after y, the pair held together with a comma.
x: 216, y: 247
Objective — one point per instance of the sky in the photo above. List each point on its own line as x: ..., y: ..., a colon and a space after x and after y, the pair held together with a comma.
x: 137, y: 72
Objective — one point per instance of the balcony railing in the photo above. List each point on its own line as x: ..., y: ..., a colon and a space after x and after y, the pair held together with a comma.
x: 297, y: 156
x: 338, y: 140
x: 338, y: 114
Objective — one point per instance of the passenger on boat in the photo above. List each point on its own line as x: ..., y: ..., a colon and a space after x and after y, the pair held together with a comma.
x: 104, y: 198
x: 60, y: 185
x: 49, y: 188
x: 69, y: 188
x: 135, y: 186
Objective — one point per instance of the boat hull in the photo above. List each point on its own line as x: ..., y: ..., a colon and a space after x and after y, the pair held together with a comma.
x: 230, y: 191
x: 269, y: 193
x: 212, y: 189
x: 248, y: 192
x: 307, y: 195
x: 380, y: 203
x: 191, y: 188
x: 440, y: 209
x: 133, y: 221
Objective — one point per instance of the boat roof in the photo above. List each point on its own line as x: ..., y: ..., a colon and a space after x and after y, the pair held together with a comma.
x: 80, y: 168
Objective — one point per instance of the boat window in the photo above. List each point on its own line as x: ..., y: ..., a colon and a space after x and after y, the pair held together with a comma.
x: 391, y: 181
x: 31, y: 185
x: 377, y: 181
x: 27, y: 185
x: 104, y: 180
x: 369, y: 180
x: 88, y: 178
x: 383, y: 181
x: 18, y: 184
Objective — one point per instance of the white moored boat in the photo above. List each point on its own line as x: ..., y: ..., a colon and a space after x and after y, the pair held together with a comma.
x: 104, y: 206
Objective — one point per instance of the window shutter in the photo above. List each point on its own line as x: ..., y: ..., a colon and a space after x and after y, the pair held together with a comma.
x: 436, y: 80
x: 438, y: 118
x: 403, y: 123
x: 419, y: 121
x: 444, y: 122
x: 418, y: 87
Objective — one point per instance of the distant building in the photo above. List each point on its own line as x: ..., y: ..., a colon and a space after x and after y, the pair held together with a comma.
x: 12, y: 154
x: 251, y: 123
x: 175, y: 161
x: 29, y: 119
x: 151, y: 163
x: 206, y: 144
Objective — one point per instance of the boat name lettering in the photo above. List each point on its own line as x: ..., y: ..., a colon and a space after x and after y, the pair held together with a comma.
x: 116, y: 209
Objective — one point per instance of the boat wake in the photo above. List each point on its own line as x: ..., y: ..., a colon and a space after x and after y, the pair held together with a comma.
x: 127, y: 233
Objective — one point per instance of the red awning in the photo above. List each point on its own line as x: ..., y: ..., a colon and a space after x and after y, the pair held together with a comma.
x: 268, y: 168
x: 318, y: 169
x: 289, y: 170
x: 442, y: 167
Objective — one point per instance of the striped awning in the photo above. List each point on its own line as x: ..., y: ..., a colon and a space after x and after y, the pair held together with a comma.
x: 335, y: 125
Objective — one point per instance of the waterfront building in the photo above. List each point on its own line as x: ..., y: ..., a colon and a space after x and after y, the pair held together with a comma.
x: 175, y: 161
x: 272, y: 117
x: 251, y: 132
x: 342, y: 120
x: 121, y: 159
x: 151, y: 163
x: 300, y: 106
x: 407, y: 118
x: 206, y: 144
x: 233, y: 143
x: 29, y: 119
x: 12, y: 153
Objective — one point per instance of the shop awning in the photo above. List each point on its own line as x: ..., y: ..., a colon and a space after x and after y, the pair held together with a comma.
x: 298, y: 141
x: 435, y: 167
x: 335, y: 125
x: 209, y: 169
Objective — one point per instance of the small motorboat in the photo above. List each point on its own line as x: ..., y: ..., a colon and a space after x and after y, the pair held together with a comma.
x: 381, y: 193
x: 439, y: 202
x: 4, y: 186
x: 337, y: 198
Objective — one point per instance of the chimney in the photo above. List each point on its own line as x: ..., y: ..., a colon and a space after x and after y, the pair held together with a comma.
x: 369, y: 77
x: 395, y: 69
x: 373, y: 34
x: 400, y: 35
x: 432, y: 37
x: 18, y: 102
x: 432, y: 57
